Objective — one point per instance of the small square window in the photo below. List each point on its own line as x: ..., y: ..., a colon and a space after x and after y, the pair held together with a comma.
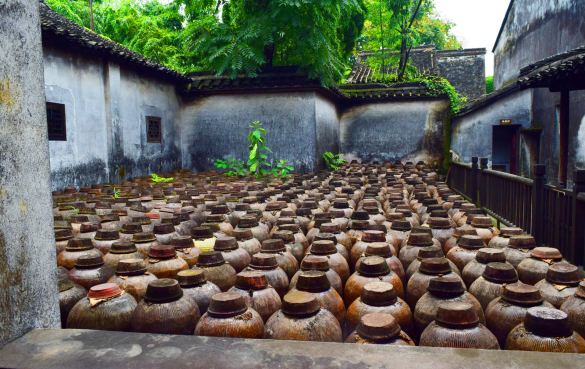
x: 153, y: 129
x: 56, y: 122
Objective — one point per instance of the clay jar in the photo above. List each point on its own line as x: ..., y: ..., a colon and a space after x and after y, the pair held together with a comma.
x: 457, y: 234
x: 302, y: 319
x: 105, y: 238
x: 132, y: 277
x: 246, y: 241
x: 144, y: 241
x: 76, y: 248
x: 400, y: 229
x: 235, y: 256
x: 381, y: 329
x: 111, y: 311
x: 165, y: 232
x: 502, y: 240
x: 442, y: 289
x: 356, y: 230
x: 379, y: 297
x: 122, y: 250
x: 285, y: 259
x: 321, y: 264
x: 371, y: 269
x: 546, y: 330
x: 360, y: 246
x: 297, y: 233
x: 62, y: 237
x: 518, y: 249
x: 342, y: 238
x: 186, y: 250
x: 428, y: 269
x: 196, y: 286
x: 490, y: 285
x: 574, y: 306
x: 506, y: 312
x: 251, y: 223
x: 229, y: 316
x: 216, y: 270
x: 415, y: 242
x: 165, y: 310
x: 128, y: 230
x: 441, y: 228
x: 163, y: 261
x: 336, y: 261
x: 561, y: 282
x: 317, y: 283
x: 258, y: 295
x: 292, y: 246
x: 457, y: 325
x: 484, y: 228
x: 69, y: 294
x: 222, y: 221
x: 90, y: 271
x: 533, y: 269
x: 383, y: 249
x: 330, y: 237
x: 276, y: 277
x: 475, y: 268
x: 465, y: 251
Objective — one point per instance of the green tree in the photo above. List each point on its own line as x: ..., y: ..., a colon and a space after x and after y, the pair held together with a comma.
x: 489, y: 84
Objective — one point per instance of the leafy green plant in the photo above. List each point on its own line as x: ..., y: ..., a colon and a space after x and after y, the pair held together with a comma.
x: 158, y: 179
x: 333, y: 161
x: 237, y: 167
x: 117, y: 193
x: 74, y: 212
x: 282, y: 170
x: 258, y: 150
x: 489, y: 84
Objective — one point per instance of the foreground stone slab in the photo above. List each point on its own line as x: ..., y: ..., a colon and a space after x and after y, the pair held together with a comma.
x: 87, y: 349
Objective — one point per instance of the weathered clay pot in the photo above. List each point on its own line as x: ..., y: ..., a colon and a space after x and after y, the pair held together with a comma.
x: 122, y: 250
x: 379, y: 297
x: 442, y: 289
x: 88, y: 230
x: 484, y: 227
x: 69, y: 294
x: 90, y: 271
x: 229, y: 316
x: 502, y: 240
x: 428, y: 269
x: 163, y: 262
x: 342, y: 238
x: 298, y: 234
x: 457, y: 325
x: 318, y: 284
x: 165, y: 232
x: 276, y: 277
x: 104, y: 239
x: 235, y: 256
x: 247, y: 241
x: 62, y: 237
x: 330, y: 237
x: 356, y: 229
x: 381, y: 329
x: 384, y: 250
x: 371, y: 269
x: 217, y: 270
x: 196, y: 286
x: 465, y: 251
x: 409, y: 252
x: 302, y: 319
x: 186, y: 250
x: 336, y: 261
x: 560, y: 284
x: 76, y: 248
x: 574, y: 306
x: 518, y: 249
x: 251, y: 223
x: 321, y: 264
x: 128, y: 231
x: 533, y: 269
x: 285, y: 259
x: 360, y: 246
x: 475, y: 268
x: 546, y: 330
x: 222, y: 221
x: 144, y: 241
x: 400, y: 229
x: 426, y: 253
x: 490, y: 285
x: 457, y: 234
x: 258, y: 295
x: 295, y: 248
x: 506, y: 312
x: 132, y: 277
x: 441, y: 228
x: 113, y: 313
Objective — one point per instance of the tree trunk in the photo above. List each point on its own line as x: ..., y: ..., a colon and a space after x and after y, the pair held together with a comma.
x: 91, y: 25
x: 403, y: 59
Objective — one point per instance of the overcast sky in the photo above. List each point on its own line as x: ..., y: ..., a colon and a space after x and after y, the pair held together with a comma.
x: 477, y: 23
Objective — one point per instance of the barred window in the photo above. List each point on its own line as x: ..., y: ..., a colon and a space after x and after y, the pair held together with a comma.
x: 153, y: 129
x: 56, y: 122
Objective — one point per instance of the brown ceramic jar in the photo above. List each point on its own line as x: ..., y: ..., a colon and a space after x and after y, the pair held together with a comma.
x: 76, y: 248
x: 465, y: 251
x: 502, y: 240
x: 251, y: 223
x: 356, y: 229
x: 442, y: 289
x: 111, y: 311
x: 122, y: 250
x: 69, y: 294
x: 321, y: 264
x: 560, y: 284
x: 384, y: 250
x: 222, y: 220
x: 457, y: 325
x: 506, y: 312
x: 342, y: 238
x: 229, y: 316
x: 196, y: 286
x: 258, y: 295
x: 276, y: 277
x: 247, y: 241
x: 380, y: 329
x: 317, y: 284
x: 379, y: 297
x: 186, y: 250
x: 360, y: 246
x: 132, y: 277
x: 90, y: 271
x: 285, y: 259
x: 491, y: 283
x: 574, y: 306
x: 457, y: 234
x: 545, y: 330
x: 400, y: 229
x: 235, y: 256
x: 163, y: 262
x: 302, y: 319
x: 165, y: 232
x: 415, y: 242
x: 105, y: 238
x: 330, y: 237
x: 518, y: 249
x: 484, y: 227
x: 297, y: 234
x: 144, y: 241
x: 533, y: 269
x: 62, y: 237
x: 128, y: 230
x: 371, y: 269
x: 295, y: 248
x: 428, y: 269
x: 475, y: 268
x: 217, y: 270
x: 336, y: 261
x: 441, y: 228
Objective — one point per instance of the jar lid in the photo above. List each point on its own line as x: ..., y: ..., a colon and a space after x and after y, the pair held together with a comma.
x: 439, y: 214
x: 248, y: 222
x: 284, y: 221
x: 161, y: 251
x: 471, y: 242
x: 429, y: 201
x: 330, y: 228
x: 407, y: 212
x: 360, y: 224
x: 220, y: 209
x: 293, y: 228
x: 546, y: 253
x: 508, y: 232
x: 163, y: 290
x: 123, y: 247
x: 210, y: 259
x: 313, y: 281
x: 263, y: 261
x: 201, y: 232
x: 62, y: 224
x: 303, y: 212
x: 63, y: 234
x: 273, y: 246
x: 420, y: 239
x: 581, y: 290
x: 460, y: 232
x: 489, y: 255
x: 439, y: 223
x: 286, y: 236
x: 242, y: 234
x: 435, y: 266
x: 191, y: 277
x: 401, y: 225
x: 360, y: 215
x: 131, y: 228
x: 242, y: 207
x: 430, y: 252
x: 225, y: 244
x: 79, y: 244
x: 131, y: 267
x: 377, y: 326
x: 434, y: 207
x: 164, y: 228
x: 340, y: 204
x: 521, y: 294
x: 251, y: 281
x: 500, y: 273
x: 482, y: 222
x: 381, y: 249
x: 64, y: 282
x: 467, y: 206
x: 78, y: 219
x: 89, y: 261
x: 394, y: 216
x: 110, y: 218
x: 227, y: 305
x: 446, y: 286
x: 89, y: 227
x: 373, y: 266
x: 548, y: 322
x: 459, y: 314
x: 379, y: 294
x: 300, y: 304
x: 373, y: 236
x: 563, y: 274
x: 182, y: 242
x: 313, y: 262
x: 310, y: 205
x: 421, y: 230
x: 139, y: 208
x: 215, y: 218
x: 107, y: 235
x: 103, y: 291
x: 522, y: 242
x: 143, y: 237
x: 288, y: 213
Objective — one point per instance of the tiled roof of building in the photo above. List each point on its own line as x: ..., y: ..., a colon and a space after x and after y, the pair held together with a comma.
x: 397, y: 91
x: 566, y: 69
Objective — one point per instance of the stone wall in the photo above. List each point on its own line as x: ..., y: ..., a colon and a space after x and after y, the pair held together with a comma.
x: 464, y: 69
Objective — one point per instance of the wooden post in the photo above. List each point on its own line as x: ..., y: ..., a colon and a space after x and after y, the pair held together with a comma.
x: 577, y: 248
x: 473, y: 184
x: 564, y: 139
x: 538, y: 204
x: 481, y: 183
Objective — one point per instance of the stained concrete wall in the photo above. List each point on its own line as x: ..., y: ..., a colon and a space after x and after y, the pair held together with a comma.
x: 409, y: 131
x: 28, y: 275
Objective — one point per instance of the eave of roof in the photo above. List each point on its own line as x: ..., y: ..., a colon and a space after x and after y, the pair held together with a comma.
x: 486, y: 100
x: 566, y: 69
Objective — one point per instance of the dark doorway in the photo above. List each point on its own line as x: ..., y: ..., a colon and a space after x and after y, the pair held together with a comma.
x: 505, y: 148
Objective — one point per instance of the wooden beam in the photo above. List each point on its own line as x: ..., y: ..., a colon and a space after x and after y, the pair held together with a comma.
x: 564, y: 138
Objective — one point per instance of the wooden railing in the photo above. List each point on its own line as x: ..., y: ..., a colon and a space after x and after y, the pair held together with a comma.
x: 555, y: 217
